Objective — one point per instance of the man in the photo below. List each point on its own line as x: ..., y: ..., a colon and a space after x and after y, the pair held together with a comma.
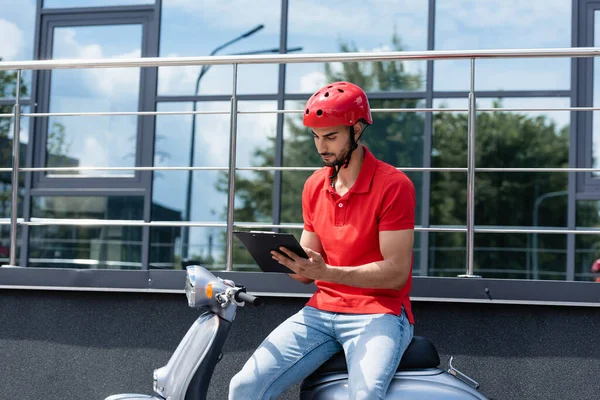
x: 358, y: 234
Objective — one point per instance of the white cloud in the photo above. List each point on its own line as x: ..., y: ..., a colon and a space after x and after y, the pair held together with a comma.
x: 107, y: 82
x: 332, y: 18
x: 12, y: 40
x: 112, y: 82
x: 95, y: 151
x: 312, y: 81
x: 469, y: 24
x: 221, y: 14
x: 487, y: 13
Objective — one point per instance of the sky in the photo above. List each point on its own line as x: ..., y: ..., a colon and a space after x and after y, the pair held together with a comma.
x: 194, y: 28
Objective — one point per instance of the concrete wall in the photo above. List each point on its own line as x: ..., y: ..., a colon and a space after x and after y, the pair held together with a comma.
x: 88, y: 345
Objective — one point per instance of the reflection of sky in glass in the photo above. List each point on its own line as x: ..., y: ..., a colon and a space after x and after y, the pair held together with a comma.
x: 17, y: 26
x: 493, y: 24
x: 193, y: 28
x: 596, y: 98
x: 24, y: 131
x: 320, y: 27
x: 93, y: 3
x: 96, y: 141
x: 173, y: 134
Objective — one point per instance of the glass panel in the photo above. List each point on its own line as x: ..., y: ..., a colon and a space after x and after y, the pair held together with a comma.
x: 504, y: 139
x: 327, y: 28
x: 502, y: 255
x: 499, y: 133
x: 17, y: 26
x: 94, y: 140
x: 521, y: 256
x: 5, y: 243
x: 587, y: 247
x: 102, y: 247
x: 6, y: 139
x: 6, y: 145
x: 446, y: 253
x: 596, y: 100
x: 492, y: 24
x: 208, y: 201
x: 93, y: 3
x: 193, y: 29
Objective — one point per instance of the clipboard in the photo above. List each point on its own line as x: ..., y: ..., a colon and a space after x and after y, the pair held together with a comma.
x: 260, y: 244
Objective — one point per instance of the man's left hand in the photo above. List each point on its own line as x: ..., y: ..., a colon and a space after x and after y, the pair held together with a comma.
x: 313, y: 267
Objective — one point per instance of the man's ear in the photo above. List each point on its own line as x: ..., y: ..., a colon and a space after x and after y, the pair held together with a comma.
x: 358, y: 130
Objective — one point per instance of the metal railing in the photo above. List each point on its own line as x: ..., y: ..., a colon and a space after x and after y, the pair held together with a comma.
x: 235, y: 61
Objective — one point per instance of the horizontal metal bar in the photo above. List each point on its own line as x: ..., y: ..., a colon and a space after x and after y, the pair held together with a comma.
x: 85, y: 261
x: 416, y: 169
x: 453, y: 94
x: 214, y: 98
x: 301, y: 58
x: 74, y: 169
x: 257, y: 225
x: 514, y: 109
x: 119, y: 113
x: 182, y: 168
x: 549, y: 169
x: 375, y: 110
x: 155, y: 113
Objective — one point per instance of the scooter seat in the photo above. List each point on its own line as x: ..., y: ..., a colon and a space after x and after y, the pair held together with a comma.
x: 419, y: 354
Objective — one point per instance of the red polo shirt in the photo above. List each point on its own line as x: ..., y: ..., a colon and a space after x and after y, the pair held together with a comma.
x: 348, y: 226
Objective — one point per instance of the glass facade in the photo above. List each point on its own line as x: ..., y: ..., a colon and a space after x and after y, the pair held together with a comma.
x: 506, y: 138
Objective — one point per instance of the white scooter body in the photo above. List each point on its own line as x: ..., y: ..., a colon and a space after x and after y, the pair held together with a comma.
x: 188, y: 372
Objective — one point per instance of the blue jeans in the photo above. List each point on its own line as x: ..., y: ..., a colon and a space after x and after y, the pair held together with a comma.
x: 373, y: 344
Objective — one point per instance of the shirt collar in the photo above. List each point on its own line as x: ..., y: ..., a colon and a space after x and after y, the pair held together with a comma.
x: 365, y: 175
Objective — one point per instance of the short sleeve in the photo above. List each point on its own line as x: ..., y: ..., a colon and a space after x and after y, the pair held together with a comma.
x: 398, y: 202
x: 306, y: 209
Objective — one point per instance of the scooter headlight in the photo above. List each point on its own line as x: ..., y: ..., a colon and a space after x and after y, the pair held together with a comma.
x: 201, y: 286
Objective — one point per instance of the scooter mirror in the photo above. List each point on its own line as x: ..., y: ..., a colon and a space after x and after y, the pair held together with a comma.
x: 201, y: 287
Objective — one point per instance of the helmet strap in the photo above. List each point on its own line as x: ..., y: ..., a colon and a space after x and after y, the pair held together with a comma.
x: 353, y: 146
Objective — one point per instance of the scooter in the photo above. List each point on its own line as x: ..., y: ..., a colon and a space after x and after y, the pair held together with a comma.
x: 187, y: 374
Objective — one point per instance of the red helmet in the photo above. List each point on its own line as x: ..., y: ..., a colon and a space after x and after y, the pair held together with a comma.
x: 339, y: 103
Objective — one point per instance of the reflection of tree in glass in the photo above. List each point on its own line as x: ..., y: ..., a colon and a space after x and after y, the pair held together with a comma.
x: 504, y: 139
x: 8, y: 83
x: 57, y: 149
x: 57, y: 144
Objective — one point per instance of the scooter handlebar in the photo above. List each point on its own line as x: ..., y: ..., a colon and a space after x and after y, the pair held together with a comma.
x: 248, y: 298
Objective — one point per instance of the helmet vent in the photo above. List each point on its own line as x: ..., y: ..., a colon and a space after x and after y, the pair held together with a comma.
x: 340, y: 90
x: 319, y: 113
x: 307, y: 111
x: 327, y: 94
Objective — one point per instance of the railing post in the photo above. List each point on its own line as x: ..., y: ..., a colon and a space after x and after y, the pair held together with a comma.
x: 232, y: 169
x: 12, y: 260
x: 471, y: 176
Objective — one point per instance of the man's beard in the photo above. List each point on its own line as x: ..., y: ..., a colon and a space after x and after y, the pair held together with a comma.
x: 337, y: 160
